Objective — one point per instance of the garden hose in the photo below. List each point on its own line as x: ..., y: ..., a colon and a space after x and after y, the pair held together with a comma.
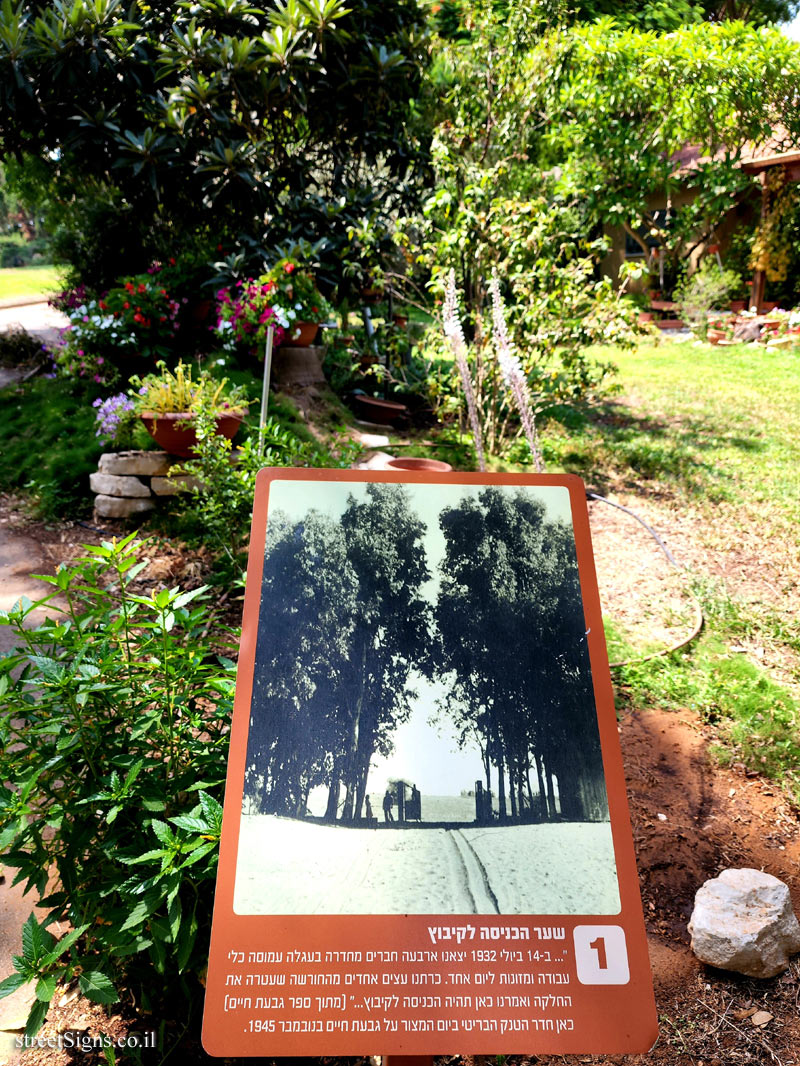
x: 699, y: 619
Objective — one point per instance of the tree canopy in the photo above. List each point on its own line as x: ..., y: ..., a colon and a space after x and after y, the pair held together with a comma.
x: 512, y: 632
x: 343, y: 626
x: 219, y: 120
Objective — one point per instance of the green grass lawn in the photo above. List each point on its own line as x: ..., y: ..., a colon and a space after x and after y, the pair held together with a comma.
x: 716, y: 424
x: 29, y: 281
x: 712, y: 434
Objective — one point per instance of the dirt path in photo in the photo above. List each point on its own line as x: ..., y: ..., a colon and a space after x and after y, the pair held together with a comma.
x: 475, y: 876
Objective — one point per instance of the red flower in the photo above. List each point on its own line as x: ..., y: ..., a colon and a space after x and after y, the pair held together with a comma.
x: 171, y: 261
x: 129, y: 286
x: 142, y: 287
x: 289, y: 268
x: 126, y: 305
x: 103, y: 304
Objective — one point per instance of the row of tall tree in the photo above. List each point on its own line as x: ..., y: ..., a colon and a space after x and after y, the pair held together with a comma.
x: 348, y: 622
x: 512, y: 633
x: 343, y: 625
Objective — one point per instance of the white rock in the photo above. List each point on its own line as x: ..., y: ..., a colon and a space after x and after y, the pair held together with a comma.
x: 145, y: 464
x: 117, y: 485
x: 121, y: 506
x: 743, y: 921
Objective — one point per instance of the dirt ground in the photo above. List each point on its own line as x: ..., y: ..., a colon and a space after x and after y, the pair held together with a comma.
x: 713, y: 818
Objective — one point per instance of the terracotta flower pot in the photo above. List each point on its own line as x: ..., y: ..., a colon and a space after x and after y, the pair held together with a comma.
x: 413, y: 463
x: 300, y: 335
x: 175, y: 433
x: 371, y: 296
x: 383, y: 412
x: 737, y: 306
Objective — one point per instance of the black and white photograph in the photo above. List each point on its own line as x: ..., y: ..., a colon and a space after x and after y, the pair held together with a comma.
x: 423, y: 734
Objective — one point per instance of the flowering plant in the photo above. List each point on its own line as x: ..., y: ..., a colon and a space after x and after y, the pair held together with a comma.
x: 245, y: 312
x: 116, y: 417
x: 294, y: 290
x: 177, y: 392
x: 137, y: 318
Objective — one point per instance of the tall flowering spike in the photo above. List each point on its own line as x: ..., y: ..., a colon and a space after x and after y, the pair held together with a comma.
x: 455, y: 334
x: 513, y: 374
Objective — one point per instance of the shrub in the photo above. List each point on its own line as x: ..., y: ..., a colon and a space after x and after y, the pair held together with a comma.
x: 18, y: 347
x: 221, y: 505
x: 113, y: 737
x: 129, y: 327
x: 708, y: 289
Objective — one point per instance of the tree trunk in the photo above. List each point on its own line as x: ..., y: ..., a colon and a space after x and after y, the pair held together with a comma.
x: 333, y: 798
x: 351, y: 765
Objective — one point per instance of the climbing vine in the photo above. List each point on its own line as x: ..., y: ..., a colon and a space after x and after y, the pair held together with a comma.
x: 774, y: 241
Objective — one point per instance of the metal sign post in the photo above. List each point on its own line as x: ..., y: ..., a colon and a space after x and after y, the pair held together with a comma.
x: 265, y: 389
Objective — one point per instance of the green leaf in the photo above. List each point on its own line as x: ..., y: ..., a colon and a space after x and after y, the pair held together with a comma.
x: 143, y: 909
x: 12, y: 983
x: 190, y: 823
x: 162, y: 831
x: 36, y: 1018
x: 45, y: 989
x: 213, y: 812
x: 174, y: 917
x: 63, y: 945
x: 97, y: 987
x: 36, y: 941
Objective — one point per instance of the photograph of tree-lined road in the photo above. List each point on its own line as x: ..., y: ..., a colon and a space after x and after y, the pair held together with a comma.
x: 423, y: 734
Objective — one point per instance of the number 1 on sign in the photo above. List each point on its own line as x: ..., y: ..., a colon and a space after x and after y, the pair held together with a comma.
x: 599, y: 946
x: 601, y: 956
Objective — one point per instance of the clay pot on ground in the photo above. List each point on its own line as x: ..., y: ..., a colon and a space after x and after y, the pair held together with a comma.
x: 737, y: 306
x: 714, y: 336
x: 434, y: 466
x: 300, y: 335
x: 382, y: 412
x: 371, y: 296
x: 175, y: 433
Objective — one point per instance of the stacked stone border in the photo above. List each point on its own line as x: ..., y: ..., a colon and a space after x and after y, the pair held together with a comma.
x: 131, y: 483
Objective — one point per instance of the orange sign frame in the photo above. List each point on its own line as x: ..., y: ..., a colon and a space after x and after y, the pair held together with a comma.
x: 289, y: 984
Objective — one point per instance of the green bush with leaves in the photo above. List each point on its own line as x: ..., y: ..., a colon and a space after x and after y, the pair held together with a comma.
x: 709, y: 288
x: 221, y: 504
x: 113, y: 746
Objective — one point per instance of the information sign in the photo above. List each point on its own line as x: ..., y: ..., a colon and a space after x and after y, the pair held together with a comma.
x: 426, y: 846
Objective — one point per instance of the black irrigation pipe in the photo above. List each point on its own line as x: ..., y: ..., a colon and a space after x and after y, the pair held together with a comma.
x: 699, y: 619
